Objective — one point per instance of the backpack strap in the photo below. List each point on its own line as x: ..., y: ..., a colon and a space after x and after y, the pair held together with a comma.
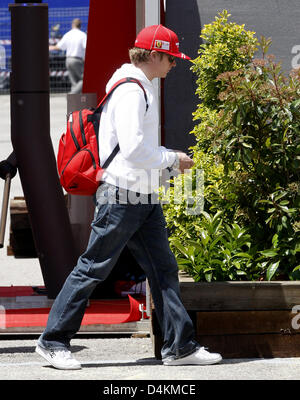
x: 104, y: 100
x: 111, y: 157
x: 114, y: 87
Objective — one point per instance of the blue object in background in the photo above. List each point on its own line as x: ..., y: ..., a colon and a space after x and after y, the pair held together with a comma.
x: 53, y: 3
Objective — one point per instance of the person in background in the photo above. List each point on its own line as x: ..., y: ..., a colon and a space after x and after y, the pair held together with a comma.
x: 74, y: 44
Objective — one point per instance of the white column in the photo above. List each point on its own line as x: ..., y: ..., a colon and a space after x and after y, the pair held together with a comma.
x: 152, y: 17
x: 148, y: 13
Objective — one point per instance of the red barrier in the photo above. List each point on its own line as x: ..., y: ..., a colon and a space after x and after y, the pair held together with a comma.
x: 111, y: 33
x: 109, y: 312
x: 115, y: 311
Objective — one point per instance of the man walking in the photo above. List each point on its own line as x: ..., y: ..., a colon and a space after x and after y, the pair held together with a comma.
x: 74, y: 43
x: 127, y: 212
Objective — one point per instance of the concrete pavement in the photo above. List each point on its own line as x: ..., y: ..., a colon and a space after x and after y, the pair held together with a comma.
x: 106, y: 359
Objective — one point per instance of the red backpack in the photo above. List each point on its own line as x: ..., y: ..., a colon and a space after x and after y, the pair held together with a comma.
x: 78, y: 160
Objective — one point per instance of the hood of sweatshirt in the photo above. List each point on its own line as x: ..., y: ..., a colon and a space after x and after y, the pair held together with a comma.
x: 129, y: 71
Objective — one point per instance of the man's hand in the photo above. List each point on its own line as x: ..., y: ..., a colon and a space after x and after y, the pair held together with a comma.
x: 53, y: 47
x: 185, y: 162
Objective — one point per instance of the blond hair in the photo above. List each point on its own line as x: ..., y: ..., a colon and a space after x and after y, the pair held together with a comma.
x: 138, y: 55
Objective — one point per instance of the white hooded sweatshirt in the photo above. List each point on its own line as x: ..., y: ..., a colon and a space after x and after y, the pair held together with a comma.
x: 124, y: 120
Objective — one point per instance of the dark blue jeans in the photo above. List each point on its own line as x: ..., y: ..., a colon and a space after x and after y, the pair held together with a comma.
x: 142, y: 228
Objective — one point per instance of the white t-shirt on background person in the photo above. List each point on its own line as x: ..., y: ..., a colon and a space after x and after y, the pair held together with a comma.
x: 74, y: 43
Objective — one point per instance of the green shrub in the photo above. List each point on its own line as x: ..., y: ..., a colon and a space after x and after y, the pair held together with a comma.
x: 217, y: 252
x: 227, y: 47
x: 247, y: 144
x: 257, y: 139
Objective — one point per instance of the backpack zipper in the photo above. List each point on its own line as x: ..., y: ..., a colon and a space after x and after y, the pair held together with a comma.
x: 82, y: 128
x: 93, y: 158
x: 91, y: 154
x: 74, y: 137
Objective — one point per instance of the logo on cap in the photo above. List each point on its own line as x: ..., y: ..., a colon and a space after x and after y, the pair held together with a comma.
x: 161, y: 44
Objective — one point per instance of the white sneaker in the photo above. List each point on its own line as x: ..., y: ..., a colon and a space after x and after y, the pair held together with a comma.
x: 199, y: 357
x: 59, y: 358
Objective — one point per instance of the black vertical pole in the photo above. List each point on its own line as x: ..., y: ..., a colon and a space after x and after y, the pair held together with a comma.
x: 30, y: 135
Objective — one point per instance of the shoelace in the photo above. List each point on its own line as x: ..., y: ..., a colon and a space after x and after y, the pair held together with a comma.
x: 63, y: 353
x: 204, y: 349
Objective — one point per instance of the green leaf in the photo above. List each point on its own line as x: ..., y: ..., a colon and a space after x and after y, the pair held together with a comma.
x: 295, y: 107
x: 180, y: 247
x: 275, y: 240
x: 183, y: 261
x: 271, y: 270
x: 230, y: 143
x: 280, y: 196
x: 269, y: 253
x: 213, y: 244
x: 246, y: 255
x: 247, y: 145
x: 204, y: 237
x: 284, y: 221
x: 268, y: 142
x: 296, y: 268
x: 208, y: 277
x: 195, y: 244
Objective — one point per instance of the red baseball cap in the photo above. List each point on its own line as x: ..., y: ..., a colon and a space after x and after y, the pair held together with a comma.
x: 159, y: 38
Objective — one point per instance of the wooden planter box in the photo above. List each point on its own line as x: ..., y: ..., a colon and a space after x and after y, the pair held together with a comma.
x: 241, y: 319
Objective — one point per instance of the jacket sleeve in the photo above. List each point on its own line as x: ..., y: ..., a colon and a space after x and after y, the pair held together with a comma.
x: 135, y: 147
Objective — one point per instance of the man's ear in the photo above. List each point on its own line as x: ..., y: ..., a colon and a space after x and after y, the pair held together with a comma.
x: 154, y: 55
